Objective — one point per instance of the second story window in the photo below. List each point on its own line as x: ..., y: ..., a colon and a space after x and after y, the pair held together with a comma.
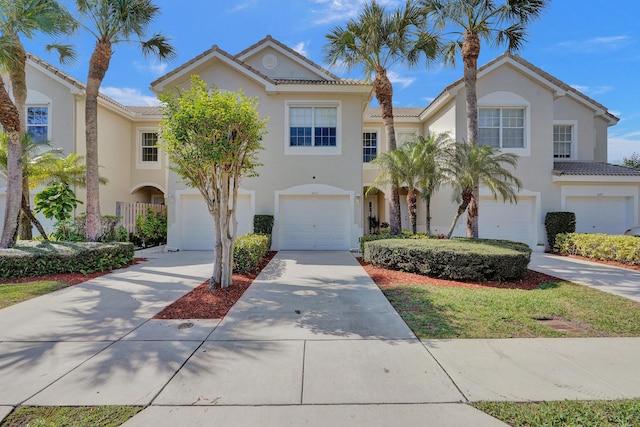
x: 369, y: 146
x: 502, y: 127
x: 38, y: 123
x: 562, y: 141
x: 149, y: 147
x: 312, y: 126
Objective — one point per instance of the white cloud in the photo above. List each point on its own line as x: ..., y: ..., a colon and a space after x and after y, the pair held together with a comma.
x: 592, y: 91
x: 616, y: 113
x: 596, y: 44
x: 402, y: 81
x: 339, y: 11
x: 155, y: 68
x: 301, y: 48
x: 242, y: 6
x: 130, y: 96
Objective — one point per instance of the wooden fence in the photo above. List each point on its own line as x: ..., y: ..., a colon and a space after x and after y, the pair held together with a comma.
x: 129, y: 213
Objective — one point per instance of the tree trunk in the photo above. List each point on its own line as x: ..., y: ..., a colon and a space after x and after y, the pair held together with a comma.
x: 225, y: 232
x: 25, y: 230
x: 98, y: 66
x: 412, y: 202
x: 470, y: 54
x: 214, y: 209
x: 31, y: 219
x: 427, y: 202
x: 10, y: 121
x: 466, y: 199
x: 384, y: 94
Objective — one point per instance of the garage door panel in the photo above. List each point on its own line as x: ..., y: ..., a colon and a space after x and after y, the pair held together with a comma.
x: 608, y: 215
x: 505, y: 221
x: 198, y: 230
x: 314, y: 222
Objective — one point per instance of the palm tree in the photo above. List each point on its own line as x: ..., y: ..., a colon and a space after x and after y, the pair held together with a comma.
x: 111, y: 22
x: 476, y: 164
x: 475, y: 20
x: 376, y: 41
x: 437, y: 153
x: 23, y: 18
x: 403, y: 167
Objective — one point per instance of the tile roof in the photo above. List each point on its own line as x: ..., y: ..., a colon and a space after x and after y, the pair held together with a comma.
x: 536, y: 70
x: 592, y: 168
x: 339, y: 82
x: 397, y: 112
x: 146, y: 111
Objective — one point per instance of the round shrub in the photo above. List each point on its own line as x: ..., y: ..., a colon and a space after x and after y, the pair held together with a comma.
x: 457, y: 259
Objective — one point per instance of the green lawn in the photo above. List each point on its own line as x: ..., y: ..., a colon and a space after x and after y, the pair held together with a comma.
x: 65, y: 416
x: 448, y: 312
x: 13, y: 293
x: 618, y: 413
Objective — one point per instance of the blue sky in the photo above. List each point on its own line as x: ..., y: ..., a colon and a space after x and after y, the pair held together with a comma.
x: 588, y: 44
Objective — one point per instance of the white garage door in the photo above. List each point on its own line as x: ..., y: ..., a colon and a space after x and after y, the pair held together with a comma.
x: 197, y: 223
x: 609, y: 215
x: 314, y: 222
x: 507, y: 221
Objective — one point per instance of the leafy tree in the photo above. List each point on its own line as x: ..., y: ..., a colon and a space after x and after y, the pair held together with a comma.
x: 377, y: 40
x: 212, y: 138
x: 25, y: 18
x: 502, y: 23
x: 632, y: 161
x: 111, y: 22
x: 475, y: 164
x: 57, y: 201
x: 437, y: 152
x: 403, y: 167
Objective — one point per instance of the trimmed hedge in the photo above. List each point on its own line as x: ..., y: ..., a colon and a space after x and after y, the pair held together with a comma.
x: 31, y: 259
x: 263, y: 224
x: 602, y: 247
x: 406, y: 234
x: 248, y: 250
x: 457, y: 259
x: 558, y: 222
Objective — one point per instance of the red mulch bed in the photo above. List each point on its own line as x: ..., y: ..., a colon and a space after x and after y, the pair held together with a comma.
x: 69, y: 278
x: 201, y: 303
x: 390, y: 278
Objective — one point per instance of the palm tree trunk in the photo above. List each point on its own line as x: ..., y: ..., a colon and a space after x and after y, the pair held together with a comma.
x: 427, y: 202
x: 25, y: 228
x: 466, y: 199
x: 31, y: 219
x: 98, y: 66
x: 384, y: 94
x: 470, y: 53
x: 10, y: 121
x: 412, y: 202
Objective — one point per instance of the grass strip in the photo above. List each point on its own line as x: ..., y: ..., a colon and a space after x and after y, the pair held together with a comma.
x: 13, y: 293
x: 567, y: 413
x: 70, y: 416
x: 437, y: 312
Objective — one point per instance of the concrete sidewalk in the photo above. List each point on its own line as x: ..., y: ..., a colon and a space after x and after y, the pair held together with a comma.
x: 313, y: 341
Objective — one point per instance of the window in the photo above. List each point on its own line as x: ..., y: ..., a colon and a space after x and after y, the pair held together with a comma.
x: 313, y: 126
x: 38, y: 123
x: 369, y: 146
x: 562, y: 141
x: 149, y: 147
x: 501, y: 127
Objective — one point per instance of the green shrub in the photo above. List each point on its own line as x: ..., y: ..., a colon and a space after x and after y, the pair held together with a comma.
x: 558, y: 222
x: 457, y: 259
x: 30, y: 259
x: 406, y: 234
x: 602, y: 247
x: 74, y: 231
x: 263, y: 224
x: 151, y: 228
x: 248, y: 250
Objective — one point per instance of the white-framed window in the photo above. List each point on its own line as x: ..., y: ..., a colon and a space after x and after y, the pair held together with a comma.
x: 312, y: 128
x: 563, y: 140
x: 148, y: 150
x: 369, y: 146
x: 502, y: 127
x: 38, y: 122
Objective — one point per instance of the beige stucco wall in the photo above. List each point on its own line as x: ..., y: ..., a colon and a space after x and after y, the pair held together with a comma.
x: 284, y: 68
